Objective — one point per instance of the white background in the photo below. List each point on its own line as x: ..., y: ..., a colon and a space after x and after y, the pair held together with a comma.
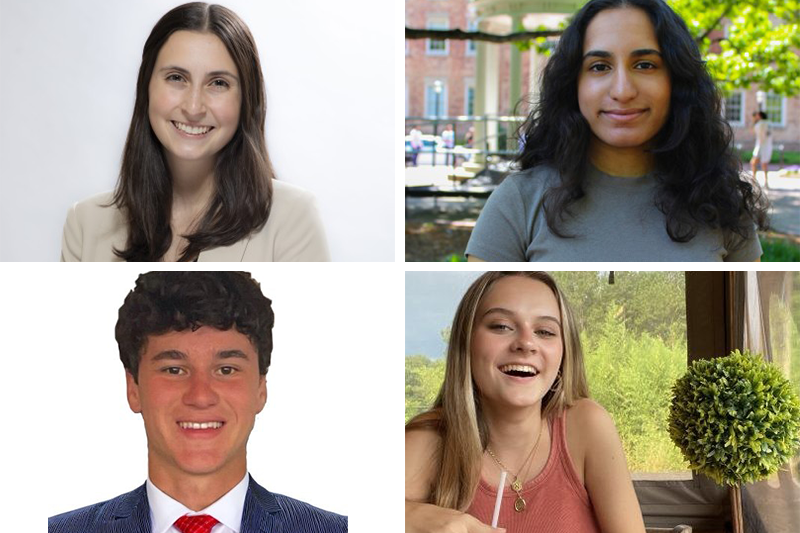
x: 68, y: 86
x: 330, y: 433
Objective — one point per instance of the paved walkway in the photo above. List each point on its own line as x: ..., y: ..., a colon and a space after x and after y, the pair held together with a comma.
x: 784, y: 197
x: 427, y: 175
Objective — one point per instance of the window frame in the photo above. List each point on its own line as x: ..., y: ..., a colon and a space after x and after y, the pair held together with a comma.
x: 740, y: 122
x: 437, y: 21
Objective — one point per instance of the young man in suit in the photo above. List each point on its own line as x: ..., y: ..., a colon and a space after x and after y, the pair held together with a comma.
x: 196, y: 347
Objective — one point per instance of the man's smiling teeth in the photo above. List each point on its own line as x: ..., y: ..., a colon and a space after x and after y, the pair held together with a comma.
x: 518, y: 369
x: 192, y: 130
x: 200, y: 425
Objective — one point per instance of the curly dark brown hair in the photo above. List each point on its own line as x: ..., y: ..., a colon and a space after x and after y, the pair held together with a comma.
x: 177, y: 301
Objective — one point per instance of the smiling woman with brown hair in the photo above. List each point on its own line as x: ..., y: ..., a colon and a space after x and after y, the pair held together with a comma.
x: 626, y: 155
x: 196, y: 183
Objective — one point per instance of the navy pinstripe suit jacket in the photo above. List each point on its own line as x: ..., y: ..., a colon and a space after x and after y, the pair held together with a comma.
x: 263, y: 512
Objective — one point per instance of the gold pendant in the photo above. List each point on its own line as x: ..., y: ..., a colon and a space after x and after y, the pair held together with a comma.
x: 517, y: 485
x: 519, y: 505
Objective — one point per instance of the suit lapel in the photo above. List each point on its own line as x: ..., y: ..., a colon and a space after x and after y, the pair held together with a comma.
x: 262, y: 513
x: 131, y: 514
x: 234, y: 252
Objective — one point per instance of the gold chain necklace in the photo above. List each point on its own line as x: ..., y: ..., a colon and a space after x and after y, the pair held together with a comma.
x: 516, y: 485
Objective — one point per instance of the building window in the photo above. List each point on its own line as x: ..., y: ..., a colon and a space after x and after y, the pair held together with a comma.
x: 733, y: 108
x: 437, y: 47
x: 472, y: 46
x: 469, y: 97
x: 774, y: 106
x: 435, y: 106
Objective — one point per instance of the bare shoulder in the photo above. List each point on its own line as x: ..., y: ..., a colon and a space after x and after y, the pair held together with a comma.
x: 605, y: 469
x: 587, y: 422
x: 422, y: 451
x: 586, y: 415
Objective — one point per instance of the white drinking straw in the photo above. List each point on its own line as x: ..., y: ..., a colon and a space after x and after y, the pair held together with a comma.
x: 499, y: 500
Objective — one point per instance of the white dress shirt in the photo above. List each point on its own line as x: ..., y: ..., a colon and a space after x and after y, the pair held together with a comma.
x: 164, y: 510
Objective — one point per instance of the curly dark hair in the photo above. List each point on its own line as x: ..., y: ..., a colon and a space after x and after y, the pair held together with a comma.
x: 698, y: 175
x: 176, y: 301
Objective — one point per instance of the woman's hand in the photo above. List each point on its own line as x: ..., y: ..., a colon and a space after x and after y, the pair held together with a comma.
x: 427, y: 518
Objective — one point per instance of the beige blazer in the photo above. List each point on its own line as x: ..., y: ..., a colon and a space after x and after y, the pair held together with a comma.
x: 293, y: 231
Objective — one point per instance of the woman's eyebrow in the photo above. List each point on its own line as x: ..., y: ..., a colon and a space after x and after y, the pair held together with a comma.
x: 636, y: 53
x: 504, y: 311
x: 208, y: 75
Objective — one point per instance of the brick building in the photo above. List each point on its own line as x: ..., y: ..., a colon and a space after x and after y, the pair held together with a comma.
x: 455, y: 65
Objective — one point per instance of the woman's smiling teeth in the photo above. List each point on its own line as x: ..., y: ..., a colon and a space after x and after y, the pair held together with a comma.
x: 200, y: 425
x: 192, y: 130
x: 519, y: 370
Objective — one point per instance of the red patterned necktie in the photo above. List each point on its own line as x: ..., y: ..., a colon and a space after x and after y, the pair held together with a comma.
x: 201, y: 523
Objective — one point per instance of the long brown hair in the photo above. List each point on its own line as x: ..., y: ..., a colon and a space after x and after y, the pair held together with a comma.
x: 242, y: 173
x: 456, y: 414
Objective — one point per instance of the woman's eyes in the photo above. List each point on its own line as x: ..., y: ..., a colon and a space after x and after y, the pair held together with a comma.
x: 602, y: 67
x: 217, y: 83
x: 504, y: 327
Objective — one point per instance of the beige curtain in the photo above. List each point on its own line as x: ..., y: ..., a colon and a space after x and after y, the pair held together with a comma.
x: 772, y: 328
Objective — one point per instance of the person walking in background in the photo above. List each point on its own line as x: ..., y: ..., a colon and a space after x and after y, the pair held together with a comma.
x: 449, y: 140
x: 416, y: 143
x: 763, y: 149
x: 469, y: 140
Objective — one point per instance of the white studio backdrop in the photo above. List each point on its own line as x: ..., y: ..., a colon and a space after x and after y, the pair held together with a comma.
x: 69, y: 80
x: 329, y: 434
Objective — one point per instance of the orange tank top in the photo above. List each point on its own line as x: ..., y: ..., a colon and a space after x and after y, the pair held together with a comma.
x: 557, y: 502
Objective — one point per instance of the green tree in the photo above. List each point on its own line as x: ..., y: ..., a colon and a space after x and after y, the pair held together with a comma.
x: 631, y: 376
x: 760, y: 45
x: 652, y: 302
x: 424, y: 377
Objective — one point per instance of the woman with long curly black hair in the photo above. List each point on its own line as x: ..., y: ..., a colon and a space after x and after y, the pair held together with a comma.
x: 626, y: 155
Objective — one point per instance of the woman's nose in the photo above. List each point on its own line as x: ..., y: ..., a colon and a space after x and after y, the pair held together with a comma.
x: 524, y: 341
x: 623, y: 88
x: 194, y: 103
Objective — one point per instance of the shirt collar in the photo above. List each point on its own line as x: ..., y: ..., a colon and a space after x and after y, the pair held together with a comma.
x: 164, y: 510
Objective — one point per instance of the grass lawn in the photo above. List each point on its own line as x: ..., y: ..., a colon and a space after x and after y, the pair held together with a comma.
x: 779, y: 249
x: 789, y: 158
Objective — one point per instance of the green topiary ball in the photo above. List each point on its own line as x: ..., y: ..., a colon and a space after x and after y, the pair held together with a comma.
x: 736, y: 419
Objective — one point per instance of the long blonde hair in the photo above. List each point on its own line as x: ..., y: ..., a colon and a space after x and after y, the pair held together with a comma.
x: 456, y: 414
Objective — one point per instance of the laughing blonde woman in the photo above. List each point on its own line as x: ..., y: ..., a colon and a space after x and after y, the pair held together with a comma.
x: 515, y: 399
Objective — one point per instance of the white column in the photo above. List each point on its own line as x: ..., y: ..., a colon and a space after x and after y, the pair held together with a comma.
x: 480, y: 98
x: 491, y: 81
x: 515, y: 67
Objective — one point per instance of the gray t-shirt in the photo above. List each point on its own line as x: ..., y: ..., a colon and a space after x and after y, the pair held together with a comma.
x: 617, y: 220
